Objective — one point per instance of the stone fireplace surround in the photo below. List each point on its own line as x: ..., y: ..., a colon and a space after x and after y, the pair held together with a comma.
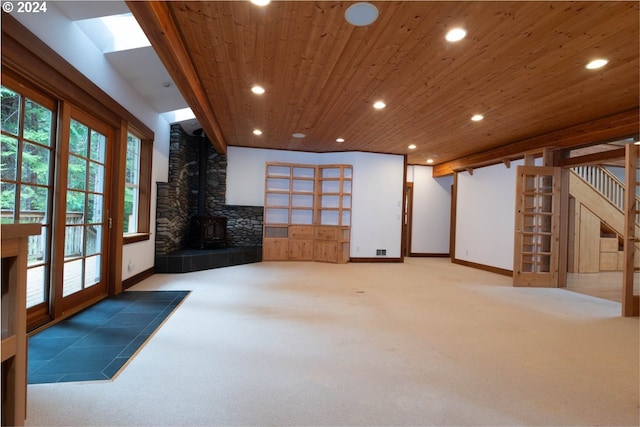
x: 179, y: 200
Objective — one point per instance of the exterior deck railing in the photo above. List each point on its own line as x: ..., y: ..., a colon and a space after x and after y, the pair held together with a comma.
x: 37, y: 244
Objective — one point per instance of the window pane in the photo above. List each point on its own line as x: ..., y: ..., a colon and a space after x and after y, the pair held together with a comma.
x: 36, y: 286
x: 92, y: 271
x: 37, y: 248
x: 75, y: 207
x: 94, y: 239
x: 98, y: 145
x: 35, y: 164
x: 9, y: 155
x: 96, y: 177
x: 72, y: 277
x: 10, y: 111
x: 37, y: 123
x: 33, y: 201
x: 78, y: 138
x: 133, y: 160
x: 130, y: 210
x: 73, y: 241
x: 77, y: 174
x: 8, y: 200
x: 94, y: 208
x: 132, y: 179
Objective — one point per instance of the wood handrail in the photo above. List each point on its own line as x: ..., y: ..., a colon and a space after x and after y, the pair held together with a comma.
x: 606, y: 184
x: 604, y: 181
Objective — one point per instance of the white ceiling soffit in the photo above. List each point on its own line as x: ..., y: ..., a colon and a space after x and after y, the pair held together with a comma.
x: 141, y: 67
x: 144, y: 71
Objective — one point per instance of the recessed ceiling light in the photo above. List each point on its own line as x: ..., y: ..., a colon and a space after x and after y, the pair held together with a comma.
x: 429, y: 161
x: 261, y: 2
x: 258, y: 90
x: 379, y: 105
x: 456, y: 34
x: 298, y: 135
x: 257, y: 132
x: 340, y: 140
x: 477, y: 117
x: 361, y: 14
x: 412, y: 147
x: 597, y: 63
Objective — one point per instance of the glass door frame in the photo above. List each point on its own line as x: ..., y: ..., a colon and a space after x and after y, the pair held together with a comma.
x: 537, y: 227
x: 39, y: 313
x: 66, y: 304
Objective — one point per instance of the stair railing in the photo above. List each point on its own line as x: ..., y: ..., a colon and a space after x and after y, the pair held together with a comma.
x: 604, y: 181
x: 606, y: 184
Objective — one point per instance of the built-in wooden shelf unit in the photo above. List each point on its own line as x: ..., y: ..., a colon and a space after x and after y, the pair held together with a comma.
x: 307, y: 212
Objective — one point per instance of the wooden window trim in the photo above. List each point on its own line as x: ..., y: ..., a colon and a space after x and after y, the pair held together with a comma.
x: 144, y: 187
x: 136, y: 237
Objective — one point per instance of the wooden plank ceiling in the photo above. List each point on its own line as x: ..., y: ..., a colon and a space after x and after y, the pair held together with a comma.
x: 522, y: 66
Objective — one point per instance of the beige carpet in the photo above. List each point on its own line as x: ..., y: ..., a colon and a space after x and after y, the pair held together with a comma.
x: 420, y: 343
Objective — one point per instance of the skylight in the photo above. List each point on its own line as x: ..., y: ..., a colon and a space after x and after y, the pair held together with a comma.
x: 181, y: 115
x: 125, y: 31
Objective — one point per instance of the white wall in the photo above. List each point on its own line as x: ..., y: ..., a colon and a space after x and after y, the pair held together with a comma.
x: 66, y: 38
x: 378, y: 184
x: 431, y: 211
x: 485, y: 215
x: 376, y: 200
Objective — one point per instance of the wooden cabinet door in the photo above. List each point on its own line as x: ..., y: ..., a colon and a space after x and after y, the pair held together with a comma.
x: 326, y: 250
x: 301, y: 249
x: 275, y: 249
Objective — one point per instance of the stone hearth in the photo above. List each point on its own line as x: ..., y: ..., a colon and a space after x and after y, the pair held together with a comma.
x: 188, y: 260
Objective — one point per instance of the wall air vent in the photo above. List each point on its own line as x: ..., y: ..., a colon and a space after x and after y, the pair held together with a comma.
x: 380, y: 252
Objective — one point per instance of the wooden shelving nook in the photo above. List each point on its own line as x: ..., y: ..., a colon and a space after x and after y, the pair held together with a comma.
x: 307, y: 212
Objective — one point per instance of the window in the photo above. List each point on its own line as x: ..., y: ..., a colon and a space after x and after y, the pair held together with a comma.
x: 137, y: 187
x: 132, y: 185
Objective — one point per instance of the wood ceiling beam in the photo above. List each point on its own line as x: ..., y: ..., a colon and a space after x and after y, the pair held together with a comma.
x: 620, y: 125
x: 157, y: 22
x: 594, y: 158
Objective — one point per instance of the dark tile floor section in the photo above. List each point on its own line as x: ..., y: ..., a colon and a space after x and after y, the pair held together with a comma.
x: 95, y: 343
x: 189, y: 260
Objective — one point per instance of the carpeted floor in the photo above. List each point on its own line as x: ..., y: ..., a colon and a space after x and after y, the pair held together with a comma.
x: 96, y: 343
x: 420, y: 343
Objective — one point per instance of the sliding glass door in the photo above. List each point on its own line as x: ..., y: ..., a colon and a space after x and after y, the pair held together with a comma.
x: 27, y: 153
x: 55, y: 171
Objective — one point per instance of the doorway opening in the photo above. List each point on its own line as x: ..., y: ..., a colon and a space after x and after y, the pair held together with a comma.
x: 603, y: 221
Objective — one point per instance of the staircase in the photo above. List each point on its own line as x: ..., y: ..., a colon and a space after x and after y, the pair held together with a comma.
x: 599, y: 199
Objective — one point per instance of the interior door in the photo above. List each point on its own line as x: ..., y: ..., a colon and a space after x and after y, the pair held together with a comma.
x: 408, y: 218
x: 537, y: 227
x: 83, y: 245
